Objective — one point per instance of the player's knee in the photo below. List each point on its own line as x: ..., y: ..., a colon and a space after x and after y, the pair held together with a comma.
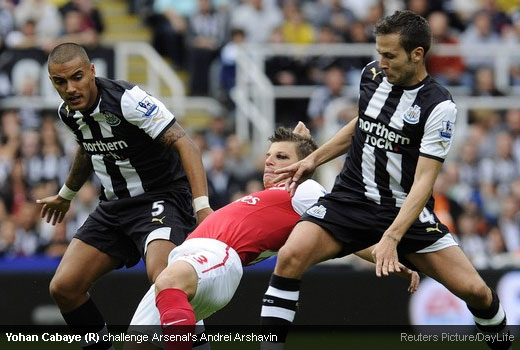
x: 477, y: 294
x: 291, y: 262
x: 63, y: 293
x: 168, y: 279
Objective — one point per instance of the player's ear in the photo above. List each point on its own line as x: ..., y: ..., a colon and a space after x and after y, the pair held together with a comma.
x: 417, y: 54
x: 93, y: 69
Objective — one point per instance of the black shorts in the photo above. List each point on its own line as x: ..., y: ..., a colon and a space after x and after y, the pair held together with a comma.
x: 359, y: 224
x: 123, y: 228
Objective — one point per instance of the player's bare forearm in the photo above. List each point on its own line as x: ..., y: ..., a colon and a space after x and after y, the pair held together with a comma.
x: 425, y: 175
x: 80, y: 170
x: 172, y: 135
x: 336, y: 146
x: 191, y: 158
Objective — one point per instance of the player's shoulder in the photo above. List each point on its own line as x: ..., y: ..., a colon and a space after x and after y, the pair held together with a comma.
x: 309, y: 186
x: 114, y: 85
x: 434, y: 92
x: 372, y: 73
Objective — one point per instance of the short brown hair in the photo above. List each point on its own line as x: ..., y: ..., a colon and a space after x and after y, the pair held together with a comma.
x: 304, y: 145
x: 66, y: 52
x: 414, y: 30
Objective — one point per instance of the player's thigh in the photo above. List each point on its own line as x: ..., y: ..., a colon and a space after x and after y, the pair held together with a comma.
x: 81, y: 266
x: 157, y: 257
x: 451, y: 268
x: 307, y: 245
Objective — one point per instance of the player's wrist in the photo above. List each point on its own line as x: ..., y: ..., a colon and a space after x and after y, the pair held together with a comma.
x: 200, y: 203
x: 392, y: 237
x: 67, y: 193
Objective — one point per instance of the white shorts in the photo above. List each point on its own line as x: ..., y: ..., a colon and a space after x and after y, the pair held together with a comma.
x: 219, y: 269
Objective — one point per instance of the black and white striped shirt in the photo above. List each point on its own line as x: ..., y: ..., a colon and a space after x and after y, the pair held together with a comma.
x: 396, y: 125
x: 120, y: 134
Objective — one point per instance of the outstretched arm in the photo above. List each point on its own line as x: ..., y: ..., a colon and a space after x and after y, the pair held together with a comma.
x: 55, y: 207
x: 191, y: 160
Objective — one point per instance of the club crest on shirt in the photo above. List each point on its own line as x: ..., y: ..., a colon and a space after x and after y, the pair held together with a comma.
x: 147, y: 107
x: 447, y: 130
x: 318, y: 211
x: 111, y: 119
x: 412, y: 114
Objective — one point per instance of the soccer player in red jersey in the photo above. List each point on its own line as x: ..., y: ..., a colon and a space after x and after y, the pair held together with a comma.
x: 204, y: 272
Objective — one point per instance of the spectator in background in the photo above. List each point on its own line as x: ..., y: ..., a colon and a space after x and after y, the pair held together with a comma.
x: 7, y: 237
x: 324, y: 95
x: 257, y: 19
x: 221, y: 182
x: 91, y: 16
x: 480, y: 31
x: 473, y: 244
x: 513, y: 127
x: 295, y: 28
x: 496, y: 175
x: 44, y: 14
x: 485, y: 83
x: 217, y: 132
x: 330, y: 13
x: 509, y: 224
x: 448, y: 70
x: 317, y: 65
x: 207, y: 32
x: 236, y: 161
x: 9, y: 143
x: 285, y: 71
x: 74, y: 31
x: 23, y: 38
x: 228, y: 56
x: 27, y: 240
x: 169, y: 25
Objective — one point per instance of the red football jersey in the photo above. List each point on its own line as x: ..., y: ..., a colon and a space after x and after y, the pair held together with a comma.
x: 256, y: 226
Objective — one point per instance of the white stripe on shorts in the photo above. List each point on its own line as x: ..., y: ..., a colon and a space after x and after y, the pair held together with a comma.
x: 440, y: 244
x: 160, y: 233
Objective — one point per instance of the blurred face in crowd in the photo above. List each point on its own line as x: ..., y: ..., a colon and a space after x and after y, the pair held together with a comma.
x: 279, y: 155
x: 75, y: 83
x: 399, y: 66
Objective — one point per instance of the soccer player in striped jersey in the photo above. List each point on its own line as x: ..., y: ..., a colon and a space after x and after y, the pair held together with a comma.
x: 382, y: 196
x: 149, y: 170
x: 204, y: 272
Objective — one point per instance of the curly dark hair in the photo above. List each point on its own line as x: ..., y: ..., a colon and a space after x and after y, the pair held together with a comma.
x: 413, y: 29
x: 304, y: 145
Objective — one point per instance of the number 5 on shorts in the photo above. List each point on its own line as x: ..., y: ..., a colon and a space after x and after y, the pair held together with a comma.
x: 157, y: 208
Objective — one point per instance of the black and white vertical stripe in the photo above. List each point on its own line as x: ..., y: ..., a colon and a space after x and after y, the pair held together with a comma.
x: 381, y: 168
x: 120, y: 134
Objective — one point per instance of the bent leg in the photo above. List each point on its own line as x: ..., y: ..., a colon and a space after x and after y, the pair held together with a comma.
x: 307, y: 245
x: 174, y: 287
x: 453, y: 269
x: 80, y: 267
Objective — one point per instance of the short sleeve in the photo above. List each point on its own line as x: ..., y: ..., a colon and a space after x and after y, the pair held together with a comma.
x: 306, y: 195
x: 146, y: 112
x: 439, y: 130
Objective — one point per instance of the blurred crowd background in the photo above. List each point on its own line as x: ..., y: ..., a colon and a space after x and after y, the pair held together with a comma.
x: 477, y: 194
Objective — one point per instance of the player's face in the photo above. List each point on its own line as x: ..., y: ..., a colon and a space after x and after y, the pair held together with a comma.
x: 279, y: 155
x: 395, y: 62
x: 74, y: 81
